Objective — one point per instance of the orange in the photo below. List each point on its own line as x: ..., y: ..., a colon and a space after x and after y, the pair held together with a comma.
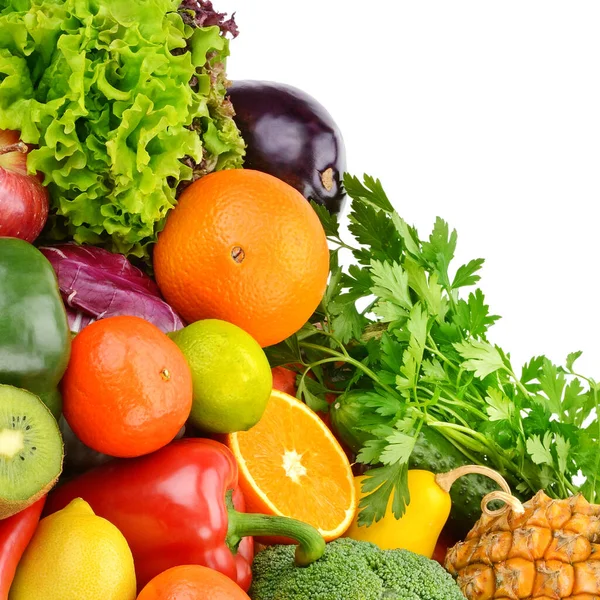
x: 192, y: 582
x: 291, y: 465
x: 244, y: 247
x: 128, y: 389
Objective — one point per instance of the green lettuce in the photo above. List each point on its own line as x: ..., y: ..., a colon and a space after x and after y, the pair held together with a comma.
x: 125, y: 102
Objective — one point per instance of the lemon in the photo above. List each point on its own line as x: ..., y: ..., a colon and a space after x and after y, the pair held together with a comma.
x: 231, y: 375
x: 75, y: 555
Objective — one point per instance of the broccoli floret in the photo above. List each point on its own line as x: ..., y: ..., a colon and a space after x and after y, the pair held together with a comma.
x: 350, y: 570
x: 413, y: 577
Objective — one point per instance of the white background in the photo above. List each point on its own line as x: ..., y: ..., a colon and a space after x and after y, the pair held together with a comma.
x: 484, y: 113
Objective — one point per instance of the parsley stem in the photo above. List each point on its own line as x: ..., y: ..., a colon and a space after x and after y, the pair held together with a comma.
x: 448, y: 410
x: 433, y: 349
x: 462, y: 439
x: 473, y: 458
x: 476, y: 441
x: 332, y: 337
x: 448, y: 398
x: 341, y: 244
x: 352, y: 361
x: 444, y: 401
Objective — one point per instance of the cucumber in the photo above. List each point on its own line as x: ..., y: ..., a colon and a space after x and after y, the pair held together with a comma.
x: 432, y: 452
x: 346, y: 415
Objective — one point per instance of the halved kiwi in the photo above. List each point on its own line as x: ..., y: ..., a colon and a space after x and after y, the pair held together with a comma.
x: 31, y: 450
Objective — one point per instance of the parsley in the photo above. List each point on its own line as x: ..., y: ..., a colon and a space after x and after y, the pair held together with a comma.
x: 398, y: 329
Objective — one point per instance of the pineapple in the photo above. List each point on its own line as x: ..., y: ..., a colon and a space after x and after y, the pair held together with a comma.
x: 549, y: 551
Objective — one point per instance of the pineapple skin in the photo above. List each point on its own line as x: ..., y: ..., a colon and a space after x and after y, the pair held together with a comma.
x: 550, y: 552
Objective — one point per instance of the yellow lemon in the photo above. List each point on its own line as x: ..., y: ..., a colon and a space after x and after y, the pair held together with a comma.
x: 75, y: 555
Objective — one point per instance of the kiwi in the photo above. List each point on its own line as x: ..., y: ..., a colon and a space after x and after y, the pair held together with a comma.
x: 31, y: 450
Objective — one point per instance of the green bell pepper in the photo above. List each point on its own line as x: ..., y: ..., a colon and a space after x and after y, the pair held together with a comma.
x: 35, y: 341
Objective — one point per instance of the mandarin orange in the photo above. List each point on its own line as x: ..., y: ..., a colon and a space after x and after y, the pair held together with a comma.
x: 192, y: 582
x: 244, y: 247
x: 128, y: 388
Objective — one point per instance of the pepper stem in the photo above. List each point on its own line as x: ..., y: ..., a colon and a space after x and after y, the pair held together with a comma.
x: 445, y: 481
x: 311, y: 544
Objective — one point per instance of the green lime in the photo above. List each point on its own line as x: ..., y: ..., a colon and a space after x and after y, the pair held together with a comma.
x: 230, y: 373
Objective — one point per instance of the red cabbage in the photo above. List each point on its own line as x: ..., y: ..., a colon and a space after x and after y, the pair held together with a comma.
x: 95, y: 284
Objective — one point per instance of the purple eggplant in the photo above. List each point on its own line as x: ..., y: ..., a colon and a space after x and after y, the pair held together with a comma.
x: 291, y: 136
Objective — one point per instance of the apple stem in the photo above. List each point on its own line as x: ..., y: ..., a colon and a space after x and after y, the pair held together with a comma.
x: 18, y: 147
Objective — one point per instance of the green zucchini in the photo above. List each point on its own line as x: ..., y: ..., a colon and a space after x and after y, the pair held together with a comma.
x: 432, y: 452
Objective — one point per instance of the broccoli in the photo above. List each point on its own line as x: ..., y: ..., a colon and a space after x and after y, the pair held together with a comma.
x: 350, y: 570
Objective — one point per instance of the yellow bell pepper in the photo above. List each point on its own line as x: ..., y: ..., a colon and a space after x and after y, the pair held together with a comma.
x: 421, y: 524
x: 426, y: 514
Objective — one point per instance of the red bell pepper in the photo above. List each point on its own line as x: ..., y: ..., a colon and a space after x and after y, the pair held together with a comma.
x: 15, y: 534
x: 182, y: 505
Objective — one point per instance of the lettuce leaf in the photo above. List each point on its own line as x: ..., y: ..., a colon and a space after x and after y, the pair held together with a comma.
x: 121, y: 100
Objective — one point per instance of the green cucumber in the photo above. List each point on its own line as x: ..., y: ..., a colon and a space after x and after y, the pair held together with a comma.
x: 432, y: 452
x: 346, y: 415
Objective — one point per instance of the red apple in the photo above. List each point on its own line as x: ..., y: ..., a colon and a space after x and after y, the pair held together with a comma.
x: 23, y: 199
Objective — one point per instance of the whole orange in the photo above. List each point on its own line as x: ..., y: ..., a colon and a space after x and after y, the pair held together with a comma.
x: 244, y: 247
x: 192, y: 582
x: 128, y: 389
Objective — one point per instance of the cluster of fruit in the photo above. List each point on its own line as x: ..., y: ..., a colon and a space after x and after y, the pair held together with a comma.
x: 244, y: 260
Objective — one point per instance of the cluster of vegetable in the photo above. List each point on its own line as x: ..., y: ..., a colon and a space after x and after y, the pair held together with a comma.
x: 417, y: 383
x: 109, y: 110
x: 124, y: 102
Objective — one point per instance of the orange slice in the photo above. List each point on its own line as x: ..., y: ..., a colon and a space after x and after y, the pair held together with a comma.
x: 291, y: 465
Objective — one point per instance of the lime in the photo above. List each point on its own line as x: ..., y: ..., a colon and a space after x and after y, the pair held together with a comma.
x: 231, y: 376
x: 75, y: 555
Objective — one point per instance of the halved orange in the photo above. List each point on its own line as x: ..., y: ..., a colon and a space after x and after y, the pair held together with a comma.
x: 291, y: 465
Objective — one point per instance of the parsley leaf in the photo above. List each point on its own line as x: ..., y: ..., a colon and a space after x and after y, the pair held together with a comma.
x: 371, y: 191
x: 408, y: 235
x: 563, y: 447
x: 480, y: 357
x: 571, y: 358
x: 374, y: 229
x: 427, y: 288
x: 398, y: 449
x: 473, y: 316
x: 466, y: 274
x: 390, y: 283
x: 499, y: 407
x: 553, y: 383
x: 540, y: 450
x: 439, y: 250
x: 328, y: 220
x: 284, y: 353
x: 311, y: 399
x: 347, y: 323
x: 379, y: 484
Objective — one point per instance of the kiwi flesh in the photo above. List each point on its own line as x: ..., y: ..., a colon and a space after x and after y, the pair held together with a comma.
x: 31, y: 450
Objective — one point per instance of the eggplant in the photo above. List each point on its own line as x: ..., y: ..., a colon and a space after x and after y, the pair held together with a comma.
x: 290, y: 135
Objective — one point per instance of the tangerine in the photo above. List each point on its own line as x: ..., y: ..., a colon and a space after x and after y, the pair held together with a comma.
x: 291, y: 465
x: 128, y: 388
x: 245, y: 247
x: 192, y: 582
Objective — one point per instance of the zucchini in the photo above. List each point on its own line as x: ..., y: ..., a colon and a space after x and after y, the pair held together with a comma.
x: 432, y: 452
